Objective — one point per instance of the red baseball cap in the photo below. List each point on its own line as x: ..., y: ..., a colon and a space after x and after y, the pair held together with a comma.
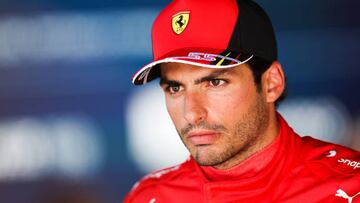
x: 210, y: 34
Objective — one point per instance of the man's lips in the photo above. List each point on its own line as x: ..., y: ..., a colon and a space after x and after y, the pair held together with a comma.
x: 203, y: 137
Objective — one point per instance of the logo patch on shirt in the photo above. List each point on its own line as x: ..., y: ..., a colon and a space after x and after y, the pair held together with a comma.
x: 332, y: 153
x: 350, y: 163
x: 180, y: 21
x: 342, y: 193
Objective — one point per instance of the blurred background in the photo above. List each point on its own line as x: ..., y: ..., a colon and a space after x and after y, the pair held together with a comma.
x: 73, y: 128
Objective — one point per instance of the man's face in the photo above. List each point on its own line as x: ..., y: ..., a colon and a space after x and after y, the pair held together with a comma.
x: 218, y: 113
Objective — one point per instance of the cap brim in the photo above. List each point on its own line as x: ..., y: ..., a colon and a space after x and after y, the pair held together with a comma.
x: 206, y: 60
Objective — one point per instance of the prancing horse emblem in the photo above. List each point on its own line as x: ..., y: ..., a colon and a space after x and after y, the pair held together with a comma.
x: 180, y: 21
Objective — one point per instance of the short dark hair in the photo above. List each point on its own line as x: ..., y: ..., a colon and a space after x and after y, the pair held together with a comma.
x: 258, y: 66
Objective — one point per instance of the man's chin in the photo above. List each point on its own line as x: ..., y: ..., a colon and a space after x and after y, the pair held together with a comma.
x: 206, y: 160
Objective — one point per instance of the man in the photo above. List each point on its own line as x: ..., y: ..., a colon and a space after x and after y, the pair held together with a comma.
x: 217, y: 63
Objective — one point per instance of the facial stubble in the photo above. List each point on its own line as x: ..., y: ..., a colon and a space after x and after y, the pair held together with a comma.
x: 241, y: 141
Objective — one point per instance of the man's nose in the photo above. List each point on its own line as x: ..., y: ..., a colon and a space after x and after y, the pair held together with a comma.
x: 194, y: 108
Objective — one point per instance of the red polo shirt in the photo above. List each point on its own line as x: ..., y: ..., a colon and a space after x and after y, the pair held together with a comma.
x: 291, y: 169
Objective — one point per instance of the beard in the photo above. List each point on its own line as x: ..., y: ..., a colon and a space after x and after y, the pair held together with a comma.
x: 238, y: 141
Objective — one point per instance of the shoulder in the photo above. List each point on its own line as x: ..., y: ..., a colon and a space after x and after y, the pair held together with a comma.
x: 150, y: 184
x: 338, y: 159
x: 322, y: 170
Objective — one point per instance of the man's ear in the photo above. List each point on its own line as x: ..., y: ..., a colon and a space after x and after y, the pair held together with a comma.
x: 273, y: 82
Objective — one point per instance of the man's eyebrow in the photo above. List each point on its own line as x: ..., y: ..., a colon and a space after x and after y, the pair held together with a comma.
x: 212, y: 75
x: 217, y: 73
x: 164, y: 81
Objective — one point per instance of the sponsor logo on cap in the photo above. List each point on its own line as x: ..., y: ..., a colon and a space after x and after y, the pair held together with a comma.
x: 180, y: 21
x: 207, y: 57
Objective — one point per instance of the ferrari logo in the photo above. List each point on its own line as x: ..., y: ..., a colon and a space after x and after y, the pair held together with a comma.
x: 180, y: 21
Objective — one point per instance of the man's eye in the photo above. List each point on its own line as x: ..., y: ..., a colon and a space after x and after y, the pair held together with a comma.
x: 174, y: 89
x: 216, y: 82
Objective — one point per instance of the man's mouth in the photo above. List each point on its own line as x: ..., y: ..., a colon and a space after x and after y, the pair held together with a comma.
x: 203, y: 137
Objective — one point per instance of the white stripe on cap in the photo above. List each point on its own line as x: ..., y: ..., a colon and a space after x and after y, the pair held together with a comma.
x: 144, y: 72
